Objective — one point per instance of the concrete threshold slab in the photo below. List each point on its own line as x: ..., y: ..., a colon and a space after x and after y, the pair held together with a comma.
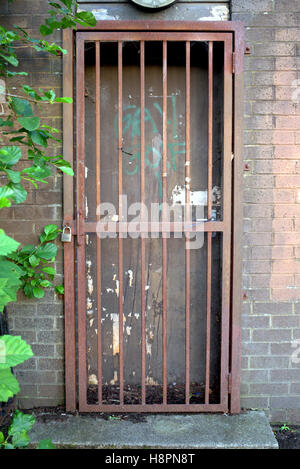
x: 249, y: 430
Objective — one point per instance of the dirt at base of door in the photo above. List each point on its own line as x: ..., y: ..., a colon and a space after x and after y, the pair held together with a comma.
x: 154, y: 394
x: 289, y: 438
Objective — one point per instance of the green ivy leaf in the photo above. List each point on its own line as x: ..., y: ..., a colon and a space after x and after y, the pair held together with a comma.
x: 45, y: 30
x: 68, y: 3
x: 21, y: 107
x: 38, y: 138
x: 16, y: 351
x: 11, y: 59
x: 46, y: 444
x: 9, y: 446
x: 37, y: 172
x: 4, y: 202
x: 47, y: 251
x: 87, y: 17
x: 60, y: 289
x: 27, y: 249
x: 7, y: 244
x: 9, y: 386
x: 45, y: 284
x: 29, y: 123
x: 13, y: 176
x: 49, y: 270
x: 12, y: 74
x: 10, y: 281
x: 64, y: 166
x: 1, y: 438
x: 6, y: 123
x: 28, y: 290
x: 34, y: 261
x: 50, y: 95
x: 6, y: 191
x: 20, y: 440
x: 64, y: 100
x: 50, y: 233
x: 19, y: 194
x: 38, y: 292
x: 10, y: 155
x: 21, y: 423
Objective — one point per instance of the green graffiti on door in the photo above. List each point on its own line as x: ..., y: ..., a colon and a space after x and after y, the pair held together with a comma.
x: 131, y: 131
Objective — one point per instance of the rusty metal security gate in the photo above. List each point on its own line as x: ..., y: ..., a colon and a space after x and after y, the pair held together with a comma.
x: 154, y: 123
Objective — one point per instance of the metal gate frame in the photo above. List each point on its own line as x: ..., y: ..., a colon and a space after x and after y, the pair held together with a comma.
x: 230, y: 354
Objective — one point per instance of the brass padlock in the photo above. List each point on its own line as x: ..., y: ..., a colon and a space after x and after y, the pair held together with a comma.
x: 66, y: 237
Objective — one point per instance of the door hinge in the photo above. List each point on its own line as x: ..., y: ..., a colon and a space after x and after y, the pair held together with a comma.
x: 233, y: 62
x: 229, y: 383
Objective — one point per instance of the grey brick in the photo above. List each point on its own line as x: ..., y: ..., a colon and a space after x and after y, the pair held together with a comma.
x: 255, y: 402
x: 45, y: 323
x: 24, y: 323
x: 271, y: 335
x: 249, y: 348
x: 272, y: 308
x: 255, y: 376
x: 295, y: 388
x: 278, y: 416
x: 43, y: 350
x: 285, y: 402
x: 256, y: 322
x: 282, y: 349
x: 36, y: 377
x: 285, y: 321
x: 266, y: 389
x: 283, y: 376
x: 50, y: 364
x: 50, y: 337
x: 266, y: 363
x: 253, y: 6
x: 51, y: 391
x: 293, y: 416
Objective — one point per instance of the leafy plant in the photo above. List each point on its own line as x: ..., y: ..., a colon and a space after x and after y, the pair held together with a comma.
x: 17, y: 435
x: 285, y: 427
x: 27, y: 267
x: 14, y: 351
x: 35, y: 263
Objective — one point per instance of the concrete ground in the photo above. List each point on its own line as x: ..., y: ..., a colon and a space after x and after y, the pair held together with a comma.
x: 250, y: 430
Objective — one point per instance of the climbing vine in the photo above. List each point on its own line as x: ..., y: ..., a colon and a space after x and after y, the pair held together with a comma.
x: 24, y: 137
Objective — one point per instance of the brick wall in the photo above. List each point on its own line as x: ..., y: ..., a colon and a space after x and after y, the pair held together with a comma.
x: 271, y: 272
x: 38, y: 322
x: 271, y: 310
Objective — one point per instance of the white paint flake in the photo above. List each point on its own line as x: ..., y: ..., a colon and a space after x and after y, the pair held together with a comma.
x: 93, y: 379
x: 196, y: 197
x: 115, y: 345
x: 218, y: 13
x: 130, y: 276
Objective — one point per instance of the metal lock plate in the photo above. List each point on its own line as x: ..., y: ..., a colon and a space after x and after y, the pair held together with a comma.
x: 66, y: 235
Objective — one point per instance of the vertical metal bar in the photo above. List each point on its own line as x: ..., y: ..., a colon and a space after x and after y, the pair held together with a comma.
x: 187, y: 216
x: 120, y: 141
x: 143, y: 254
x: 98, y: 242
x: 69, y: 264
x: 209, y: 213
x: 164, y: 239
x: 81, y: 268
x: 227, y: 175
